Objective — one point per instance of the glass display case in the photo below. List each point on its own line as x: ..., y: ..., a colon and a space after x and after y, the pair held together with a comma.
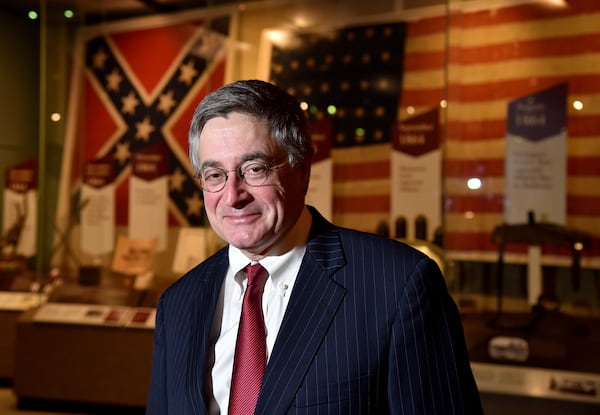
x: 448, y: 123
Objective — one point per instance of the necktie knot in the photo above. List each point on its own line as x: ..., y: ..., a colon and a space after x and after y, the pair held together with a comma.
x: 257, y: 275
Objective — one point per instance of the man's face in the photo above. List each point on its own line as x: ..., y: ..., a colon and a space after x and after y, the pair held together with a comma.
x: 253, y: 219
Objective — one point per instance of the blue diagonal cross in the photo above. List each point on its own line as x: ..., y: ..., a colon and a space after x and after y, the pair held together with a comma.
x: 118, y: 87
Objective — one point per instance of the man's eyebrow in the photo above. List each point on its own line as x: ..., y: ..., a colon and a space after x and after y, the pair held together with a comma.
x: 246, y: 157
x: 255, y: 156
x: 209, y: 163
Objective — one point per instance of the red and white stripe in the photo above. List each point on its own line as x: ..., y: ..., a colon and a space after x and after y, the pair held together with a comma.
x: 495, y: 55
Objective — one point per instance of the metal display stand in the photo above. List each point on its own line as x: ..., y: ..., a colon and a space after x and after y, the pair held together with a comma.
x: 535, y: 235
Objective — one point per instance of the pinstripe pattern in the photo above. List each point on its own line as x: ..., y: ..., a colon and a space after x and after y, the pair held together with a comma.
x: 370, y: 329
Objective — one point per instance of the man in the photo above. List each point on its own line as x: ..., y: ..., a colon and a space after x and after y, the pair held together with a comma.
x: 351, y: 323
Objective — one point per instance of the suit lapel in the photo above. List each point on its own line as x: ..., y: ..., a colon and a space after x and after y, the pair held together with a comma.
x: 202, y: 314
x: 314, y: 302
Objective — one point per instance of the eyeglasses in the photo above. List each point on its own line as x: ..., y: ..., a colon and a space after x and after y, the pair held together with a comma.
x: 253, y: 172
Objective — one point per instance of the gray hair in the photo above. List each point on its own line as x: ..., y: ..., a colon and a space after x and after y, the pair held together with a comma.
x: 280, y: 111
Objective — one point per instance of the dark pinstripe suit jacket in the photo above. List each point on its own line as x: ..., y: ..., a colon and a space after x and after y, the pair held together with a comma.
x: 370, y: 329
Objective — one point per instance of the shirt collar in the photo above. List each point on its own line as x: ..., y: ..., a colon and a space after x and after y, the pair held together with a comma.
x: 275, y: 265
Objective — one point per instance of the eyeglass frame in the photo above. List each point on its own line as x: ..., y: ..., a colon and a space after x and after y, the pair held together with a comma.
x: 269, y: 167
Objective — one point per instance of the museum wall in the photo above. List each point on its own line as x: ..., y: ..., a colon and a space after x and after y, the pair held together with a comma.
x: 470, y: 59
x: 467, y: 63
x: 18, y: 90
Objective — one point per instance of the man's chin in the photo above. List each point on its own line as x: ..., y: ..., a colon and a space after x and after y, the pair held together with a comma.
x: 244, y: 243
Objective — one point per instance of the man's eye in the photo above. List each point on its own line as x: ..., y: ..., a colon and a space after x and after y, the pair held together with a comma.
x: 213, y: 175
x: 254, y: 169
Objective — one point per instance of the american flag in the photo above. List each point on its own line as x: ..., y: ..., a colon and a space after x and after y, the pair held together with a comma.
x: 494, y: 57
x: 140, y: 86
x: 352, y: 69
x: 357, y: 70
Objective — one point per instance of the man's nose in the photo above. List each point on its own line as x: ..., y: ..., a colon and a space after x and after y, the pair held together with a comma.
x: 235, y: 189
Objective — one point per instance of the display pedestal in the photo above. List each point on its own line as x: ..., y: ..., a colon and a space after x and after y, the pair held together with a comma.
x: 550, y: 362
x: 108, y: 365
x: 12, y: 305
x: 8, y: 328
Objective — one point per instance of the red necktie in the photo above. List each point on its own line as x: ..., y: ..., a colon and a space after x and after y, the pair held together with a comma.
x: 251, y: 350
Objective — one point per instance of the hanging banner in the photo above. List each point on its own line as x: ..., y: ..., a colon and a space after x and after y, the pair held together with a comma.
x: 416, y: 190
x: 148, y: 195
x: 536, y: 157
x: 98, y: 206
x: 19, y: 224
x: 320, y: 189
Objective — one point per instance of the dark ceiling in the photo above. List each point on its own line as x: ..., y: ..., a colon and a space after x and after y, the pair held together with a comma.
x: 96, y: 11
x: 92, y: 11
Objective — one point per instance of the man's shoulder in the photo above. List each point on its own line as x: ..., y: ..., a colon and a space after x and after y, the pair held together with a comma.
x: 374, y: 240
x: 363, y: 246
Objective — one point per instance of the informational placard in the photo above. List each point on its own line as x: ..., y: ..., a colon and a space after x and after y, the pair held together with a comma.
x: 149, y: 196
x: 133, y: 256
x: 320, y: 189
x: 98, y: 207
x: 536, y: 157
x: 71, y: 313
x: 96, y: 315
x: 416, y: 189
x: 19, y: 224
x: 537, y: 382
x: 19, y: 301
x: 144, y: 318
x: 191, y: 249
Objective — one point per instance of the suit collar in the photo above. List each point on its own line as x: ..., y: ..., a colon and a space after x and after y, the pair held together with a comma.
x: 324, y: 243
x: 314, y: 302
x: 203, y: 311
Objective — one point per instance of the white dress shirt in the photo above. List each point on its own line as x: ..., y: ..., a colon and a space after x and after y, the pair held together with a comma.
x: 282, y: 270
